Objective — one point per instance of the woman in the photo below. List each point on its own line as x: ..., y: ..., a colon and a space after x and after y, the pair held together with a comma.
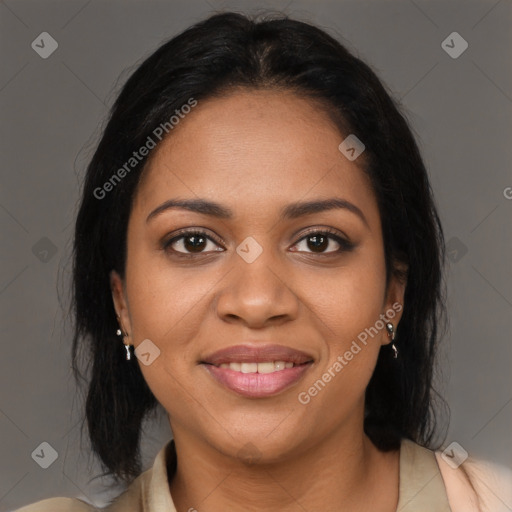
x: 257, y: 228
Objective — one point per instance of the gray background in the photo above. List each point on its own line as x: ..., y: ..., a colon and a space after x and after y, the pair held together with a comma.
x: 52, y: 111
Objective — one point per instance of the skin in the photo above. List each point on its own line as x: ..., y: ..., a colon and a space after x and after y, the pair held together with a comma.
x: 255, y: 152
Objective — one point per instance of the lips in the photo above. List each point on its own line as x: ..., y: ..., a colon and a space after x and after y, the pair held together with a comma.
x: 238, y: 368
x: 257, y: 354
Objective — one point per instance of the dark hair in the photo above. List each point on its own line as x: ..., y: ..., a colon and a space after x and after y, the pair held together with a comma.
x: 216, y: 56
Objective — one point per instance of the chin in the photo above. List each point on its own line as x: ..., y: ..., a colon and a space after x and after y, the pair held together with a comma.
x: 258, y: 447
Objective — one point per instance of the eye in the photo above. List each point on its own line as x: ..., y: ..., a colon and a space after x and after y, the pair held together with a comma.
x: 190, y: 242
x: 320, y: 240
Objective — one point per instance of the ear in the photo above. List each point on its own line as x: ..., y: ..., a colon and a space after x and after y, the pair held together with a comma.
x: 120, y: 302
x: 394, y: 302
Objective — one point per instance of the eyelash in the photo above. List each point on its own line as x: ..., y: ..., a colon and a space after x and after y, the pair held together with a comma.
x: 345, y: 245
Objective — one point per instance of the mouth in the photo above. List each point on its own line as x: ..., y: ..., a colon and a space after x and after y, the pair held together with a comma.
x: 254, y: 367
x: 257, y: 371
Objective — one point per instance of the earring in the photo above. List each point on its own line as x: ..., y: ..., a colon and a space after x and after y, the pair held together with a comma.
x: 128, y: 354
x: 391, y: 333
x: 127, y: 346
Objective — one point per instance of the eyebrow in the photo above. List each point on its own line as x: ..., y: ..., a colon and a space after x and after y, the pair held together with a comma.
x: 290, y: 211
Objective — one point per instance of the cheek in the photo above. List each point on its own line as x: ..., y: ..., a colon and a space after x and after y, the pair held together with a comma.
x: 164, y: 300
x: 347, y: 309
x: 164, y: 308
x: 350, y: 303
x: 350, y: 298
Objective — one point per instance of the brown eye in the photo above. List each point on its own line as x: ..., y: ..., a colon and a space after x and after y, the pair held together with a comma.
x: 319, y: 241
x: 191, y: 242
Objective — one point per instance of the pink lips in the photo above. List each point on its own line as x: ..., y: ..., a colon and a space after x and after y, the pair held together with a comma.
x: 257, y: 385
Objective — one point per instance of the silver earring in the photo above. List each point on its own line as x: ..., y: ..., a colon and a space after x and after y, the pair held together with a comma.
x: 391, y: 333
x: 119, y: 332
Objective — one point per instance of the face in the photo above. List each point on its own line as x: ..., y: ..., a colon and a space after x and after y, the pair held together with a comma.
x: 268, y: 319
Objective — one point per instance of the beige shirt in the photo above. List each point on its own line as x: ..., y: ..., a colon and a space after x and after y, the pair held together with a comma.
x: 427, y: 484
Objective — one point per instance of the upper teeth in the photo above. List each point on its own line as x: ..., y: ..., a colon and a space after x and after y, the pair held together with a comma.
x: 271, y: 366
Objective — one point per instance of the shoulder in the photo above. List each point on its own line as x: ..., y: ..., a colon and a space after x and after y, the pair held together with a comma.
x: 133, y: 499
x: 58, y: 505
x: 477, y: 485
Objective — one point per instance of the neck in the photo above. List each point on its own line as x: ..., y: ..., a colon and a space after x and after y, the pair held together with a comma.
x: 337, y: 469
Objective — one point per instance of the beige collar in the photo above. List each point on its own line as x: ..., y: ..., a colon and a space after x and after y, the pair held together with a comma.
x: 421, y: 483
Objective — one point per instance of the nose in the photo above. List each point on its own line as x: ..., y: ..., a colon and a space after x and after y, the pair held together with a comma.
x: 257, y: 294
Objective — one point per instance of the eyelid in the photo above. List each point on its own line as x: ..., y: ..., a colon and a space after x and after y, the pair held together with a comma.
x: 336, y: 233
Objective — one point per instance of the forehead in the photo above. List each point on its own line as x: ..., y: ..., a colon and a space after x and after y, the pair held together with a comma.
x: 253, y: 148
